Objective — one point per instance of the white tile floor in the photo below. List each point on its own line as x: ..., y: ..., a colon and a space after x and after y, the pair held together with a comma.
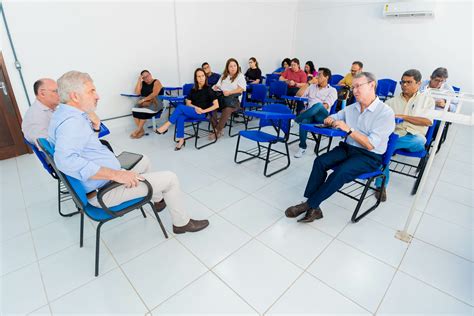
x: 252, y: 259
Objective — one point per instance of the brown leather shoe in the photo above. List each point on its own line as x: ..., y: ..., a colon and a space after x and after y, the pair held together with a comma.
x: 192, y: 226
x: 295, y: 211
x: 311, y: 215
x: 382, y: 195
x: 160, y: 205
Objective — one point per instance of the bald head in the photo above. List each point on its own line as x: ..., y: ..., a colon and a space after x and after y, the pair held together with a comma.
x: 46, y: 91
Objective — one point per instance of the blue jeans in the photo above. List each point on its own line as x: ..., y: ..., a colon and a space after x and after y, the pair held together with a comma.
x: 408, y: 142
x: 315, y: 114
x: 180, y: 114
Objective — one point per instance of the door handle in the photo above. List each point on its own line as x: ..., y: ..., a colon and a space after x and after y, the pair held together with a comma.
x: 3, y: 86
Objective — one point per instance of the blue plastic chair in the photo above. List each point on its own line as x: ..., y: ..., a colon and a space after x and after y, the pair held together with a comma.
x: 271, y: 78
x: 195, y: 124
x: 335, y: 79
x: 187, y: 88
x: 410, y: 170
x: 63, y: 193
x: 257, y: 98
x: 276, y: 91
x: 365, y: 180
x: 103, y: 214
x: 385, y: 89
x: 277, y: 116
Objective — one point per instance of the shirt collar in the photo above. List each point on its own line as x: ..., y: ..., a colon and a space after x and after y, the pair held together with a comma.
x: 372, y: 107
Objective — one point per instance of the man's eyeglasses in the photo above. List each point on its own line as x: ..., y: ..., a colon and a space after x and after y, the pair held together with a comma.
x: 357, y: 86
x: 407, y: 82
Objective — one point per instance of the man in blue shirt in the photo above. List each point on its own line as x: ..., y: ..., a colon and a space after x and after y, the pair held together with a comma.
x: 212, y: 77
x: 79, y: 154
x: 368, y: 124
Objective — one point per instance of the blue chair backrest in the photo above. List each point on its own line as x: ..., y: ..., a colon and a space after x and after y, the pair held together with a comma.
x: 271, y: 78
x: 429, y: 133
x: 277, y: 108
x: 386, y: 87
x: 104, y: 131
x: 392, y: 140
x: 456, y: 89
x: 73, y: 185
x: 259, y: 92
x: 333, y: 108
x: 42, y: 158
x: 335, y: 79
x: 187, y: 88
x: 278, y: 89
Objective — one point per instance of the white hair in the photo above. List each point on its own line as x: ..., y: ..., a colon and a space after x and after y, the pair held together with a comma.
x: 72, y: 81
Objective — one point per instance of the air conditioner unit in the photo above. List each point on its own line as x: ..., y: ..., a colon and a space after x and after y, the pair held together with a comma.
x: 408, y: 9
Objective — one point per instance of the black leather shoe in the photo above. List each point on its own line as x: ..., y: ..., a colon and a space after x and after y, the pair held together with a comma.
x: 159, y: 206
x: 382, y: 195
x: 160, y: 133
x: 295, y: 211
x: 311, y: 215
x: 181, y: 147
x: 192, y: 226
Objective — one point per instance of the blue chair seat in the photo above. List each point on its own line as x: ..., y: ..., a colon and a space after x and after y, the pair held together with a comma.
x: 416, y: 154
x: 261, y: 137
x: 99, y: 214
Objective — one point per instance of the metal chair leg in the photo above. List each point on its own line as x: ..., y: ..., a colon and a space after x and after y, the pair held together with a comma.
x: 143, y: 212
x: 159, y: 219
x: 81, y: 237
x: 97, y: 248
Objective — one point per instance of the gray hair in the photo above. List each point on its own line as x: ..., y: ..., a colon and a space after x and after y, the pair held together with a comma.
x: 72, y: 81
x: 370, y: 77
x: 415, y: 73
x: 440, y: 72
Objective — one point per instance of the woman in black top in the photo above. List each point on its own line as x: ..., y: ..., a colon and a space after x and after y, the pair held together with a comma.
x: 199, y: 101
x: 253, y: 74
x: 148, y: 105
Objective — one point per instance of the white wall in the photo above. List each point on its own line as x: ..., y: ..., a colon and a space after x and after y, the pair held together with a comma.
x: 333, y: 34
x: 215, y: 31
x: 113, y: 41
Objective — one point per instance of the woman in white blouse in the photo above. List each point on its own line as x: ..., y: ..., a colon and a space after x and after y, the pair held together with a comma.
x: 229, y: 89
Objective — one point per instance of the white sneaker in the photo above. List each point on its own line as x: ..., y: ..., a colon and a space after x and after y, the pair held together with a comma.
x: 292, y: 123
x: 300, y: 153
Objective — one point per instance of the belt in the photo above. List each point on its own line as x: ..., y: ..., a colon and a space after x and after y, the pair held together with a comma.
x: 91, y: 194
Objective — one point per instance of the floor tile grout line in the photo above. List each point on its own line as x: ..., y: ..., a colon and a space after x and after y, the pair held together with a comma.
x: 443, y: 250
x: 125, y: 275
x: 436, y: 288
x: 450, y: 222
x: 33, y: 242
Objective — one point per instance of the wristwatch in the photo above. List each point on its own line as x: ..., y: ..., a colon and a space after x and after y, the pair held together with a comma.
x: 350, y: 131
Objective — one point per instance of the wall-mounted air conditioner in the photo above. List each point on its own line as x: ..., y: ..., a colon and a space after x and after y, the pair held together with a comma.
x: 408, y: 9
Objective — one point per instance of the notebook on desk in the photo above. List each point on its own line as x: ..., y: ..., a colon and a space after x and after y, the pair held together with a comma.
x: 129, y: 160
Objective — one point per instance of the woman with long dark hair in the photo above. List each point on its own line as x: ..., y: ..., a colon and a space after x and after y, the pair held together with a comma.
x: 253, y: 75
x: 310, y: 70
x: 199, y: 101
x: 229, y: 89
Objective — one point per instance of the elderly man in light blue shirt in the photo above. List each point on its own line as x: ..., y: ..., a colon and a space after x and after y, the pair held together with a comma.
x: 79, y: 154
x: 368, y: 124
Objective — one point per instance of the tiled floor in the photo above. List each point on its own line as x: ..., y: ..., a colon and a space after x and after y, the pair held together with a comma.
x: 251, y: 259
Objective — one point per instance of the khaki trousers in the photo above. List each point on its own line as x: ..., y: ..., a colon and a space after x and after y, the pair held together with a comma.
x: 165, y: 185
